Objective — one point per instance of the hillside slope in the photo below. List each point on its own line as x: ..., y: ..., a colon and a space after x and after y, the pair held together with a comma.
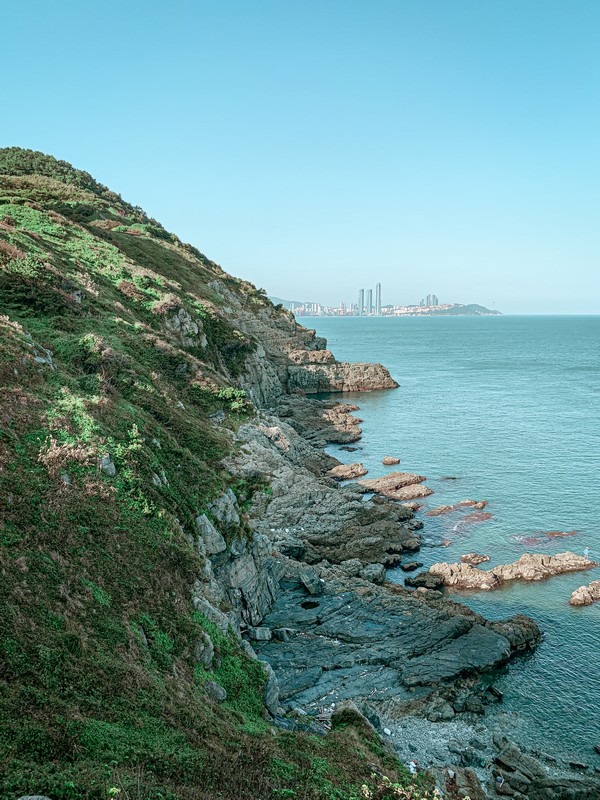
x: 127, y: 360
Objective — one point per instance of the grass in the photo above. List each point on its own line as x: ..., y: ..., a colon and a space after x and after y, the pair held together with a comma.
x: 100, y: 694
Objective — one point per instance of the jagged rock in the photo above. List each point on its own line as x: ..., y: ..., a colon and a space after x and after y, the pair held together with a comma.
x: 204, y: 650
x: 212, y: 539
x: 271, y: 692
x: 389, y: 461
x: 586, y: 595
x: 259, y: 634
x: 311, y: 581
x: 188, y: 331
x: 374, y: 573
x: 215, y: 691
x: 474, y: 559
x: 529, y: 567
x: 330, y: 521
x: 398, y: 486
x: 225, y: 509
x: 347, y: 472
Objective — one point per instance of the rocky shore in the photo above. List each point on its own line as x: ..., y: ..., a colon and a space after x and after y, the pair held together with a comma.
x: 310, y: 599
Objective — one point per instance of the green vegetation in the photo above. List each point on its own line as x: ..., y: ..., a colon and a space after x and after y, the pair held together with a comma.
x: 107, y: 455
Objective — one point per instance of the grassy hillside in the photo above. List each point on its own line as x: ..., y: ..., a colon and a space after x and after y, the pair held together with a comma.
x: 107, y: 454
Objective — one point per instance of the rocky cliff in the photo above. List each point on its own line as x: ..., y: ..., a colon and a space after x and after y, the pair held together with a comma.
x: 186, y: 590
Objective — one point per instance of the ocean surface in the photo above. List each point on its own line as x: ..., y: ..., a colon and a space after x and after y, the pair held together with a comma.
x: 503, y: 409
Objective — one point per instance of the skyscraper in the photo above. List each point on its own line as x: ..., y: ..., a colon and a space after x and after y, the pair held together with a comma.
x: 378, y: 299
x: 361, y: 302
x: 369, y: 301
x: 434, y: 300
x: 428, y: 303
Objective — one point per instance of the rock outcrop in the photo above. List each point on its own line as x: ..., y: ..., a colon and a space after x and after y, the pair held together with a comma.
x: 389, y: 461
x: 398, y: 486
x: 529, y: 567
x: 347, y: 472
x: 586, y: 595
x: 313, y: 378
x: 359, y: 641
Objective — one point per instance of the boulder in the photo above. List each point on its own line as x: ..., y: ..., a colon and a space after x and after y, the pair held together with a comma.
x: 398, y: 486
x: 389, y: 461
x: 259, y: 634
x: 215, y: 691
x: 586, y: 595
x: 347, y: 472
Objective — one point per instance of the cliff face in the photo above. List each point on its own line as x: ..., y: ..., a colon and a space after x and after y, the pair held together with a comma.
x: 128, y: 361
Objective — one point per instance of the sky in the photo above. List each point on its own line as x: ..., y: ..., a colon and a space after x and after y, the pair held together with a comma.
x: 314, y: 147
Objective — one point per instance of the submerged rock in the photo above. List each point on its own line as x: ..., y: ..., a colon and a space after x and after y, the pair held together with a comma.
x: 474, y: 559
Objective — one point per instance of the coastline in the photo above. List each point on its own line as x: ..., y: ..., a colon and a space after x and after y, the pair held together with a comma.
x: 440, y: 721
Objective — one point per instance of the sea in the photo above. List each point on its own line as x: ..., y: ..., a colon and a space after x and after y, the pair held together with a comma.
x: 503, y: 409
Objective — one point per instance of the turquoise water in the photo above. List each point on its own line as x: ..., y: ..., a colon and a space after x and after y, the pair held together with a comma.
x: 509, y: 406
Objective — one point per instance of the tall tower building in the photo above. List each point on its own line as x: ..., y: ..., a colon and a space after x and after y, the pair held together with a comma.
x: 369, y: 301
x: 361, y: 302
x: 378, y: 299
x: 428, y: 300
x: 434, y: 300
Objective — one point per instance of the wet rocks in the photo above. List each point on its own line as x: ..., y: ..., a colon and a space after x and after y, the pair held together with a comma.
x: 586, y: 595
x: 347, y: 472
x: 410, y: 566
x: 398, y: 486
x: 389, y: 461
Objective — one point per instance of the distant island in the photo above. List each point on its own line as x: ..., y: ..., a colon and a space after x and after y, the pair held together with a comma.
x: 313, y: 309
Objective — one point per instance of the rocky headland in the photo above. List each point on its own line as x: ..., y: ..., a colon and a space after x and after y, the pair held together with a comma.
x: 189, y: 586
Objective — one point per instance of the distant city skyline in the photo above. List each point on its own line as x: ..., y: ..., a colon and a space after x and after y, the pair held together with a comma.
x: 311, y: 145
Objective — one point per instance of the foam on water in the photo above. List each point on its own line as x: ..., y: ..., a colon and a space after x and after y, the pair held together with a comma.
x: 510, y: 407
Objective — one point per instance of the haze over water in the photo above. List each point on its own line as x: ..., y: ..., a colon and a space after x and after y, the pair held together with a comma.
x: 509, y: 407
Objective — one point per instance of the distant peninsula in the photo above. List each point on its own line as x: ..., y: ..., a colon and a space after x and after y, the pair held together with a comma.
x: 313, y: 309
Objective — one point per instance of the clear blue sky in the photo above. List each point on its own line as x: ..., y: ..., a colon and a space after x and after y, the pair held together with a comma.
x: 315, y: 146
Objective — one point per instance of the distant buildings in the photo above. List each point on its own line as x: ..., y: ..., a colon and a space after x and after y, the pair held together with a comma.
x: 372, y: 306
x: 368, y: 307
